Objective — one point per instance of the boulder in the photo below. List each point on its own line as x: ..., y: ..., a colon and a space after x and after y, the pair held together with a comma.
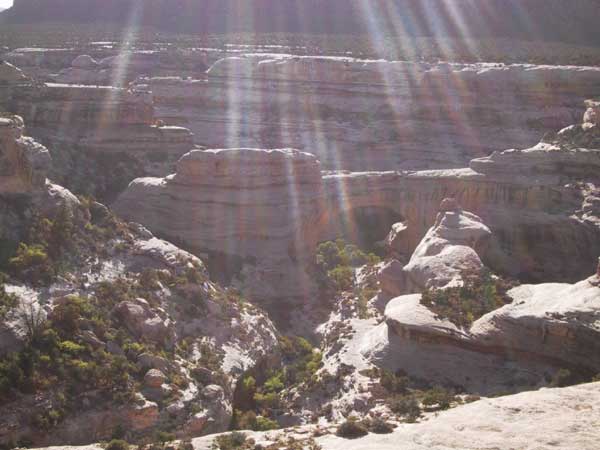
x: 447, y: 253
x: 256, y: 207
x: 154, y: 378
x: 592, y: 114
x: 546, y: 327
x: 142, y: 321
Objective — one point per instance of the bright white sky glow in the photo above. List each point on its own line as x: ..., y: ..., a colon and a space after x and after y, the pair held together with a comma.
x: 5, y: 4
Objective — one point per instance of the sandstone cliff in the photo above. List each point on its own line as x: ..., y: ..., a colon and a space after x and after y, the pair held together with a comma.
x: 101, y: 137
x: 374, y: 114
x: 538, y: 221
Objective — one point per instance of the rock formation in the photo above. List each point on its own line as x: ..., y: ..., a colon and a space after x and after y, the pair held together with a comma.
x: 394, y: 111
x: 539, y: 221
x: 449, y: 251
x: 538, y: 419
x: 23, y: 162
x: 546, y: 327
x: 252, y: 209
x: 87, y: 127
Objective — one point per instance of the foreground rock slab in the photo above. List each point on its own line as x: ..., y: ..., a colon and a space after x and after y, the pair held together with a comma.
x: 546, y: 419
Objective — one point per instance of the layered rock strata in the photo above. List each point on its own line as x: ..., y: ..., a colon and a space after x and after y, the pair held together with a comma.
x: 547, y: 327
x: 250, y: 209
x: 277, y: 205
x: 23, y: 162
x: 374, y: 115
x: 101, y: 137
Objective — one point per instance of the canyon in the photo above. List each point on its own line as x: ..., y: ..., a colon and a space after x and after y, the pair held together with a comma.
x: 190, y: 221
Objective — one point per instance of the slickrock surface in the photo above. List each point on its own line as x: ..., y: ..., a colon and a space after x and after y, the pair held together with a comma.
x: 547, y: 419
x: 563, y: 419
x: 545, y: 328
x: 374, y: 115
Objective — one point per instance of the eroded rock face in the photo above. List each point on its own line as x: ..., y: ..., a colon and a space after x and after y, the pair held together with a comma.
x: 268, y: 209
x: 256, y: 206
x: 101, y: 137
x: 447, y: 253
x: 545, y: 328
x: 24, y: 163
x: 564, y: 417
x: 187, y: 307
x: 394, y: 110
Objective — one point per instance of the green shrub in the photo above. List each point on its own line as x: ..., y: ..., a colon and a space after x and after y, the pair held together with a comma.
x: 185, y: 444
x: 267, y: 401
x: 230, y: 441
x: 66, y: 315
x: 274, y: 383
x: 406, y: 406
x: 437, y: 398
x: 394, y: 383
x: 250, y: 421
x: 351, y: 429
x: 32, y: 263
x: 380, y: 426
x: 117, y: 444
x: 265, y: 424
x: 165, y: 436
x: 463, y: 305
x: 336, y: 262
x: 564, y: 378
x: 342, y: 278
x: 7, y: 301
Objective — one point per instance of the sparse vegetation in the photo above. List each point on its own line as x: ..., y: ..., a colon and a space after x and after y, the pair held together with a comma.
x: 379, y: 426
x: 258, y: 395
x: 7, y: 301
x: 336, y: 272
x: 117, y: 444
x: 463, y: 305
x: 231, y: 441
x: 437, y: 398
x: 406, y: 406
x: 352, y: 429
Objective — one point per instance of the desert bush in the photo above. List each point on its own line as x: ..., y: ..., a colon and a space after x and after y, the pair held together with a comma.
x: 465, y: 304
x: 564, y: 378
x: 394, y: 383
x: 7, y: 301
x: 379, y: 426
x: 351, y: 429
x: 117, y: 444
x: 336, y: 262
x: 231, y: 441
x: 406, y: 406
x: 32, y: 264
x: 437, y: 398
x: 185, y: 444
